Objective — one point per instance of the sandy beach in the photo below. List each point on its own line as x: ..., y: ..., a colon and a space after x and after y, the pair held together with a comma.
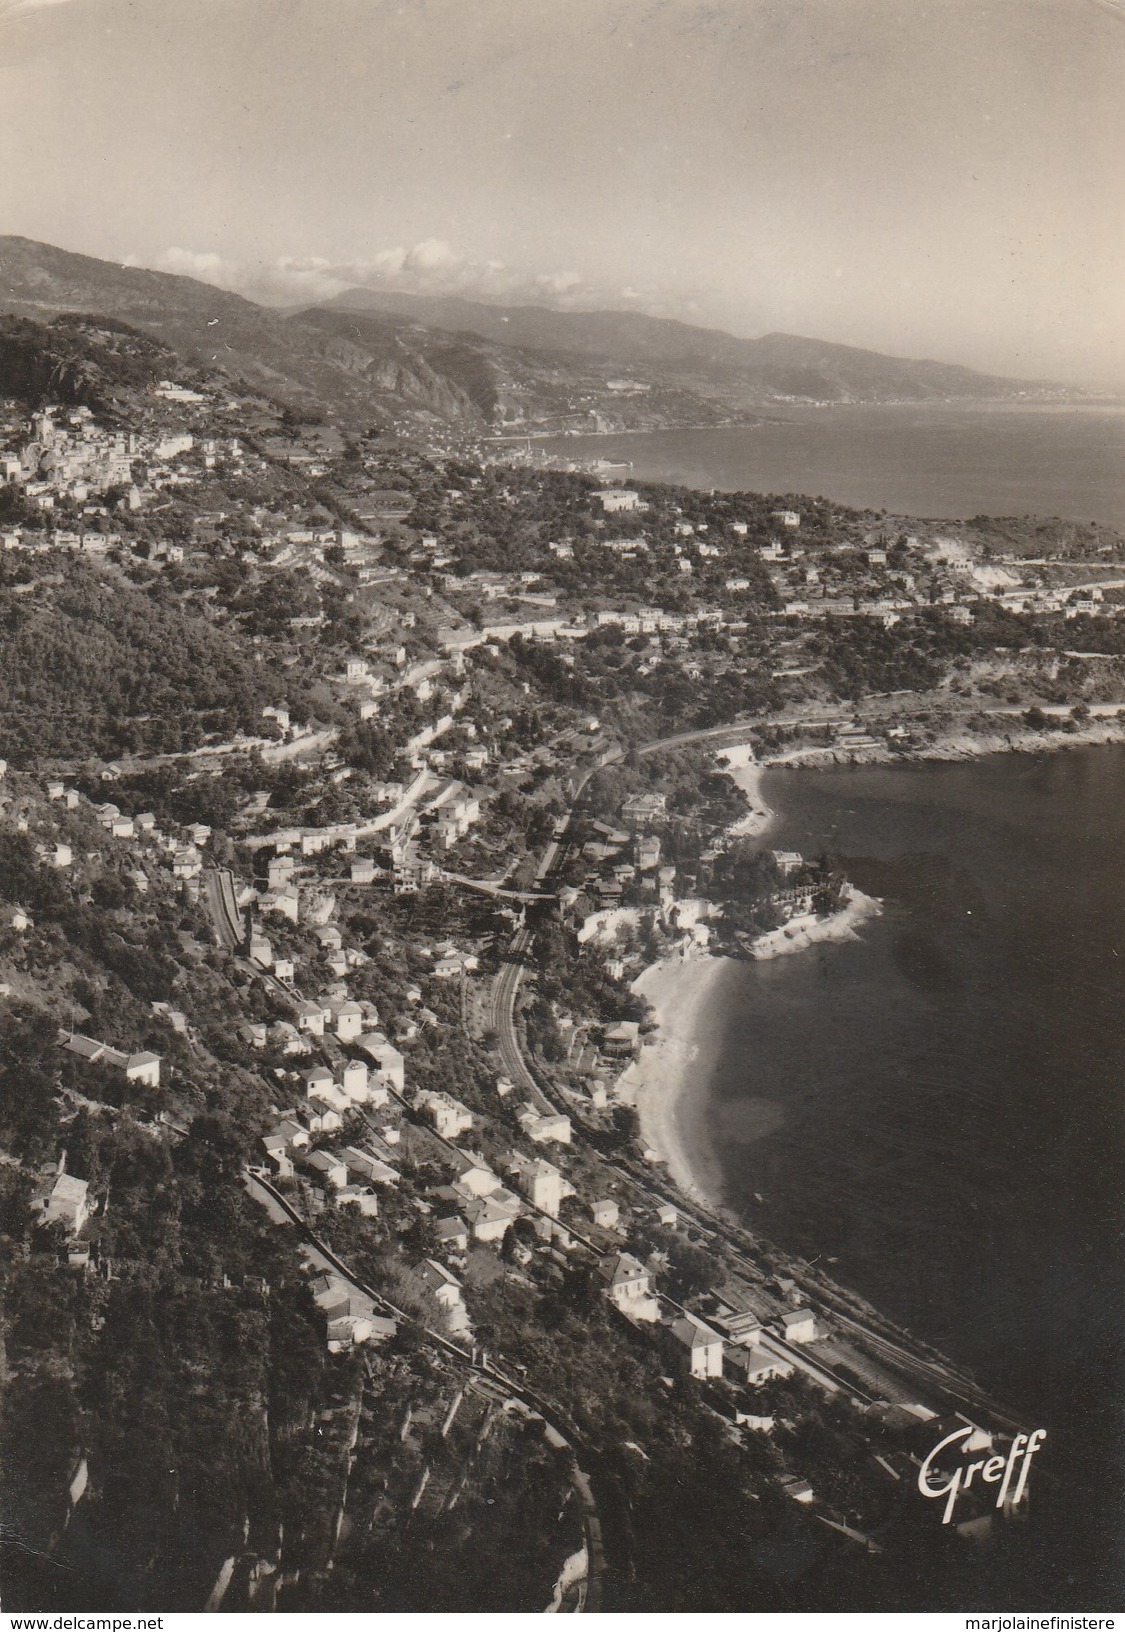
x: 746, y: 771
x: 673, y: 1063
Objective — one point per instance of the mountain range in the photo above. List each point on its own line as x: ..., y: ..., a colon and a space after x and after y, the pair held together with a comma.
x: 775, y: 366
x: 441, y: 366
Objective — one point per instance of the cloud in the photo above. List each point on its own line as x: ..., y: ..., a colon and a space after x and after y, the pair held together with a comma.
x: 207, y: 267
x: 558, y: 283
x: 432, y: 256
x: 432, y: 266
x: 286, y: 281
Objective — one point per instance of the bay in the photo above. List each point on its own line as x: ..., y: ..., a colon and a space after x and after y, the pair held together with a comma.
x: 939, y: 460
x: 934, y: 1112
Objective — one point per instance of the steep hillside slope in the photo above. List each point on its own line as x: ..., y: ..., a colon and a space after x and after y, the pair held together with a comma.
x: 263, y: 350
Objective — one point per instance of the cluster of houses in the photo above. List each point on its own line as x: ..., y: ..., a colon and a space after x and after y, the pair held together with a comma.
x: 180, y: 852
x: 64, y: 454
x: 349, y: 1316
x: 301, y: 1141
x: 737, y: 1345
x: 619, y: 857
x: 184, y: 854
x: 432, y: 814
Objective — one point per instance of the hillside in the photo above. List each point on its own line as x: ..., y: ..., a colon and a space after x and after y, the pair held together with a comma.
x: 101, y: 667
x: 256, y: 348
x: 774, y: 366
x: 94, y: 362
x: 385, y: 371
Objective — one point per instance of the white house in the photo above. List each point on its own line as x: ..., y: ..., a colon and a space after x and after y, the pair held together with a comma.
x: 318, y: 1077
x: 360, y: 1196
x: 353, y: 1081
x: 388, y: 1059
x: 331, y: 1167
x: 489, y: 1216
x: 798, y: 1326
x: 445, y: 1289
x: 365, y: 1165
x: 542, y: 1183
x: 616, y: 499
x: 605, y: 1213
x: 474, y: 1174
x: 700, y: 1348
x: 67, y: 1203
x: 310, y: 1018
x: 144, y: 1068
x: 320, y: 1118
x: 349, y: 1022
x: 628, y: 1283
x: 277, y: 1151
x: 756, y: 1364
x: 541, y: 1129
x: 447, y: 1115
x: 296, y: 1137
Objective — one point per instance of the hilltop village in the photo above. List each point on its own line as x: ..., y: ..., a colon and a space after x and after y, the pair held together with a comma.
x: 347, y: 790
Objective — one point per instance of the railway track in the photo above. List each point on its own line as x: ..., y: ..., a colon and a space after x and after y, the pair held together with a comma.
x: 557, y: 1426
x: 222, y: 904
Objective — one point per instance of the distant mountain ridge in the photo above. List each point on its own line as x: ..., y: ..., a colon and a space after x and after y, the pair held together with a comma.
x: 771, y: 367
x: 370, y: 369
x: 432, y: 367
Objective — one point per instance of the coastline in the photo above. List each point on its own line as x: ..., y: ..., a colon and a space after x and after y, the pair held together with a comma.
x: 1103, y: 731
x: 679, y: 989
x: 746, y: 772
x: 809, y: 930
x: 664, y: 1081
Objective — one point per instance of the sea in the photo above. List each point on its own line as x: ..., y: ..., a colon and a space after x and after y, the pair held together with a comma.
x: 935, y: 1113
x: 948, y: 460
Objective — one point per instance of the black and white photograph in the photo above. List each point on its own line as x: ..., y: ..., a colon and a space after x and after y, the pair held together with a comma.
x: 562, y: 809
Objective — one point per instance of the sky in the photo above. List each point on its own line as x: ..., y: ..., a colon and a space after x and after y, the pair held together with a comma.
x: 937, y: 178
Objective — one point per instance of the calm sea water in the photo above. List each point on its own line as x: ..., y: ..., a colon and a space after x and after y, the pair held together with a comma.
x: 936, y: 1111
x: 952, y: 461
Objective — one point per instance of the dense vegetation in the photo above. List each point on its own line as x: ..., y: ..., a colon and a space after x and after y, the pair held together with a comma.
x: 94, y: 668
